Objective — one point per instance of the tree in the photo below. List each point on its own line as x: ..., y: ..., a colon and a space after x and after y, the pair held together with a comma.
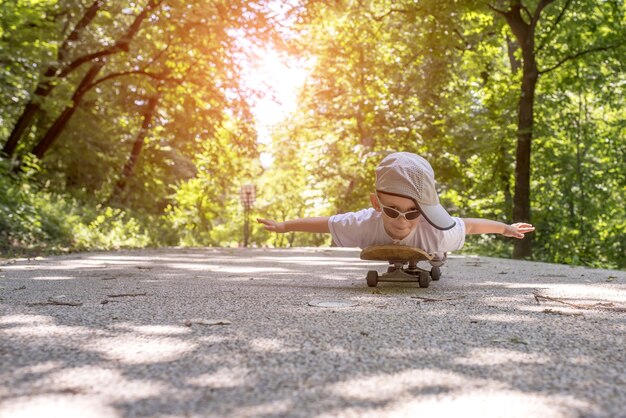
x: 122, y: 44
x: 129, y: 167
x: 45, y: 86
x: 523, y: 23
x: 381, y: 68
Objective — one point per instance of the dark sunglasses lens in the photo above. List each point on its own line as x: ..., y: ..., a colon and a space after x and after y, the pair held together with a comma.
x: 392, y: 213
x: 412, y: 215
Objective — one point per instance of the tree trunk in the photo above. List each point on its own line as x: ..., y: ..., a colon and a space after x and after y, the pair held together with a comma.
x: 121, y: 45
x: 23, y: 123
x: 45, y: 87
x: 129, y: 167
x: 59, y: 124
x: 521, y: 198
x: 525, y: 35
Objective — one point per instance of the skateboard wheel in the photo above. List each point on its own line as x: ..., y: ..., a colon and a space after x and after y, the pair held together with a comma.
x: 372, y: 278
x: 435, y: 273
x: 424, y: 279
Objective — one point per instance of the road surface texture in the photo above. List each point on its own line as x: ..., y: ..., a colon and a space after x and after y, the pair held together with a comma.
x: 297, y: 333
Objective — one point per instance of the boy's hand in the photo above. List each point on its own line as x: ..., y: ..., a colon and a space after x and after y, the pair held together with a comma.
x: 517, y: 230
x: 271, y: 225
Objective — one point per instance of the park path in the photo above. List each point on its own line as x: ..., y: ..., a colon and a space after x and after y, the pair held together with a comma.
x: 240, y: 333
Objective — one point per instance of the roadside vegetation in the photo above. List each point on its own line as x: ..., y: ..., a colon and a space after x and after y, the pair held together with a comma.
x: 132, y: 125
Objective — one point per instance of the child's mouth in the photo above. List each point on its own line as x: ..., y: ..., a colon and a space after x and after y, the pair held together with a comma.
x: 399, y: 232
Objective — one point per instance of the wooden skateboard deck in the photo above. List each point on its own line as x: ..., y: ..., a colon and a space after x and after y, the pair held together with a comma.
x: 392, y: 252
x: 399, y: 256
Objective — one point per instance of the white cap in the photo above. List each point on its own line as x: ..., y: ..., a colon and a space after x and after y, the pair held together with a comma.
x: 408, y: 175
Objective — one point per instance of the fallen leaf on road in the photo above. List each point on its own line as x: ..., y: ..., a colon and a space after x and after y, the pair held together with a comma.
x: 514, y: 339
x: 555, y: 312
x: 607, y: 306
x: 208, y: 322
x: 425, y: 299
x: 518, y: 340
x: 56, y: 301
x: 123, y: 295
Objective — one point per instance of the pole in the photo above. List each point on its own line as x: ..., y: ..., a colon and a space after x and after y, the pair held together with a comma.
x: 247, y: 194
x: 246, y: 226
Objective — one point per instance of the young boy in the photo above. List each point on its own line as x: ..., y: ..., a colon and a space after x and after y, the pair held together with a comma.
x: 405, y: 211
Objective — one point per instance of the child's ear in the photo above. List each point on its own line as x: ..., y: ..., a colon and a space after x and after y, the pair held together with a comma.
x: 374, y: 202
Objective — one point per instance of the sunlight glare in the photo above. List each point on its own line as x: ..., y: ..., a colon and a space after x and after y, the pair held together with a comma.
x: 278, y: 78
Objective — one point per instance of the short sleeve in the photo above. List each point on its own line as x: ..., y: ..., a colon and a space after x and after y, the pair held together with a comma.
x: 452, y: 239
x: 353, y: 229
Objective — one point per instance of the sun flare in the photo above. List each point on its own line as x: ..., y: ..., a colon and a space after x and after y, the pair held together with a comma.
x: 278, y: 78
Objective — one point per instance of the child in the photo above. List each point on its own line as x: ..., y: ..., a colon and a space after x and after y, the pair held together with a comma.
x: 405, y: 211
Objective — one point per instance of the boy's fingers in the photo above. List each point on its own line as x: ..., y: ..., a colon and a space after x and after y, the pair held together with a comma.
x: 523, y: 228
x: 268, y: 224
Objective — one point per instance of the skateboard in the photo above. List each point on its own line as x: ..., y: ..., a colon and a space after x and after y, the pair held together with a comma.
x: 398, y: 257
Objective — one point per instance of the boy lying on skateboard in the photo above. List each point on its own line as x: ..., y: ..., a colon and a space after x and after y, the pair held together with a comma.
x: 405, y: 210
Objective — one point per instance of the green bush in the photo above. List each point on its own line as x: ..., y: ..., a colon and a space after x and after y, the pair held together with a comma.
x: 35, y: 220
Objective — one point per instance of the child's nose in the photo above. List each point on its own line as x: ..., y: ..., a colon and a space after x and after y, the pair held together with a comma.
x: 402, y: 218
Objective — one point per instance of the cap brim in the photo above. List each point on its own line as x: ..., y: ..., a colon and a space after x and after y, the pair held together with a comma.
x: 437, y: 216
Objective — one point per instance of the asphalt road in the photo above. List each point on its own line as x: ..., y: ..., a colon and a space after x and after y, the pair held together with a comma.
x: 297, y: 333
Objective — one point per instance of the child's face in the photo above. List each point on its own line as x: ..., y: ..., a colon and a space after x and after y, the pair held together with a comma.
x: 399, y: 227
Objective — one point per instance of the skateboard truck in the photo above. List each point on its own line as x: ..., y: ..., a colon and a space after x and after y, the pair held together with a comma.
x: 398, y: 257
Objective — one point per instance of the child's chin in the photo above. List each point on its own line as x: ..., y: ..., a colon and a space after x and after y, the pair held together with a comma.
x: 396, y: 232
x: 400, y: 233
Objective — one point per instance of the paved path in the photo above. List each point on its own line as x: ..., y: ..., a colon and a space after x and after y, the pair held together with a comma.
x: 232, y: 333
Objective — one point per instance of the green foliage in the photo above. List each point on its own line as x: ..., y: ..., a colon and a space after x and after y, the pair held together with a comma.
x: 28, y: 36
x: 388, y: 78
x: 33, y: 219
x: 285, y: 192
x: 580, y: 206
x: 19, y: 221
x: 438, y: 78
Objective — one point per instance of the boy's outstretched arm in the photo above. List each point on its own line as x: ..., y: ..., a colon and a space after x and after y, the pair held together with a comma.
x: 319, y: 225
x: 485, y: 226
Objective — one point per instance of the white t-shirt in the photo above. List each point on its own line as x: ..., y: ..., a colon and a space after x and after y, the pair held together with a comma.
x: 365, y: 228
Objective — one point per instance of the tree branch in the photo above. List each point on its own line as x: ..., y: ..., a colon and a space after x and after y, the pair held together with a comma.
x: 556, y: 23
x: 518, y: 25
x: 159, y: 77
x: 500, y: 12
x: 577, y: 55
x: 89, y: 57
x: 160, y: 53
x: 86, y: 19
x: 391, y: 10
x: 525, y: 9
x: 121, y: 44
x: 463, y: 40
x: 542, y: 5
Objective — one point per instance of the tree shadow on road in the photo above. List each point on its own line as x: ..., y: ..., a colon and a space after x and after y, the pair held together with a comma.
x: 215, y: 343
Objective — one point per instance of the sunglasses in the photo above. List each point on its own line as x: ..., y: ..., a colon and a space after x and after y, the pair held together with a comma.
x: 394, y: 213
